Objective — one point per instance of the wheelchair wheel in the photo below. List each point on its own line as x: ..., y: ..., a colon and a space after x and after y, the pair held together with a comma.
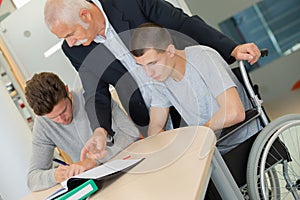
x: 273, y: 170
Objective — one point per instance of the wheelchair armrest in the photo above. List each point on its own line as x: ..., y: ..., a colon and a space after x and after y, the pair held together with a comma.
x: 250, y: 115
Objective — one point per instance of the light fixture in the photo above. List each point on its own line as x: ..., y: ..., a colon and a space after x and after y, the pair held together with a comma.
x: 53, y: 49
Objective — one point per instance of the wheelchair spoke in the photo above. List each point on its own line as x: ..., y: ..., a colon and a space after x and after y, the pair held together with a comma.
x: 277, y: 146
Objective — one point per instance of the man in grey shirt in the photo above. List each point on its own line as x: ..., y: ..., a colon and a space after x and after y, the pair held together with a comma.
x: 196, y: 81
x: 62, y: 122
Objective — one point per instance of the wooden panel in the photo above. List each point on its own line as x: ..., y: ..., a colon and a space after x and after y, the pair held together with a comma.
x: 13, y: 66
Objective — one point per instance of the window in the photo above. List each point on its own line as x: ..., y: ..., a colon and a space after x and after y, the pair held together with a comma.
x: 270, y: 24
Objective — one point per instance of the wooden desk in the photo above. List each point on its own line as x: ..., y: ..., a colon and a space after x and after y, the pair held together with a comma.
x: 176, y: 166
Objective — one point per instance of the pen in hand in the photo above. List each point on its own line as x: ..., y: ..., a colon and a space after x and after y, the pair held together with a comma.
x: 60, y: 162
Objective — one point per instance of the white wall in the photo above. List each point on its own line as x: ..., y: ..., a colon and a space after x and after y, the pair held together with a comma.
x: 15, y: 149
x: 27, y: 37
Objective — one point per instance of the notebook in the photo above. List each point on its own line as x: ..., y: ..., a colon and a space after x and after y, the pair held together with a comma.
x: 98, y: 174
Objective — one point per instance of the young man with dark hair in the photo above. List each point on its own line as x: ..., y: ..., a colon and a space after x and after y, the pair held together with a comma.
x: 196, y: 81
x: 62, y: 122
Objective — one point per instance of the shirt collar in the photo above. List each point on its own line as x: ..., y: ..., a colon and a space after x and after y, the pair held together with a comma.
x: 99, y: 38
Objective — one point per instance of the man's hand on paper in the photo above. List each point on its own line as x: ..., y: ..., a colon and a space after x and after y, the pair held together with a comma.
x: 81, y: 166
x: 64, y: 172
x: 95, y: 147
x: 248, y: 51
x: 60, y: 173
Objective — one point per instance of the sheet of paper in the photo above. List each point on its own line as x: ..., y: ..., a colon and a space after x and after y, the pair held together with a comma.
x: 105, y: 169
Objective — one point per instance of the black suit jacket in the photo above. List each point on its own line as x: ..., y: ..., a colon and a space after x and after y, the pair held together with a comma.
x: 98, y: 68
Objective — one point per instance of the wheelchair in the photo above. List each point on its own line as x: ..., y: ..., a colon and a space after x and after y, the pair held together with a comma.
x: 265, y: 166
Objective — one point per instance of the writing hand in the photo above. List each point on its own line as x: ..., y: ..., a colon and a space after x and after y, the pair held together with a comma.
x: 64, y: 172
x: 60, y: 173
x: 248, y: 51
x: 81, y: 166
x: 95, y: 147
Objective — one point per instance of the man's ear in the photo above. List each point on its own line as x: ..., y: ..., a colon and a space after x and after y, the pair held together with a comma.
x: 68, y: 92
x: 171, y: 50
x: 85, y: 15
x: 67, y: 89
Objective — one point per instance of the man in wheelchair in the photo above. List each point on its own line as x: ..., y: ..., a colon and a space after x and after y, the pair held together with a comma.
x: 196, y: 81
x: 205, y: 91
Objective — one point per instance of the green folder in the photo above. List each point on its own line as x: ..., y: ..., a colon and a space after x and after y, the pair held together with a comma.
x: 81, y: 192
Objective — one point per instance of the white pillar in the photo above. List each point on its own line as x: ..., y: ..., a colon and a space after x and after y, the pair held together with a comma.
x: 15, y: 149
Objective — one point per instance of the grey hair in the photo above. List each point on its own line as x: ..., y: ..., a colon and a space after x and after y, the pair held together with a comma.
x: 64, y: 12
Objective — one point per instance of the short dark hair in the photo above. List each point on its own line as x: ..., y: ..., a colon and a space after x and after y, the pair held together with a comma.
x: 149, y: 36
x: 43, y: 91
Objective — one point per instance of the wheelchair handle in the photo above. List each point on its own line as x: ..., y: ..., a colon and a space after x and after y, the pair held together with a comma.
x: 264, y: 52
x: 254, y: 98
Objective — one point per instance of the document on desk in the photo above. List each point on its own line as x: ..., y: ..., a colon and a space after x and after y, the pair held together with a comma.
x: 98, y: 174
x: 106, y: 170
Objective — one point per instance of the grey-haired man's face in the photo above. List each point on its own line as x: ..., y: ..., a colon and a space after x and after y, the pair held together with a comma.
x: 75, y: 35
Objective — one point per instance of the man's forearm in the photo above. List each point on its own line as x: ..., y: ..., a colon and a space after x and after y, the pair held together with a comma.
x: 154, y: 129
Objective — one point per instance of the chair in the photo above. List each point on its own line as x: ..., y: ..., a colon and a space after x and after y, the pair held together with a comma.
x: 267, y: 165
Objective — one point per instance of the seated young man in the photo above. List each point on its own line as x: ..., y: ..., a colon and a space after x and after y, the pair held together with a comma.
x: 62, y: 122
x: 196, y: 80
